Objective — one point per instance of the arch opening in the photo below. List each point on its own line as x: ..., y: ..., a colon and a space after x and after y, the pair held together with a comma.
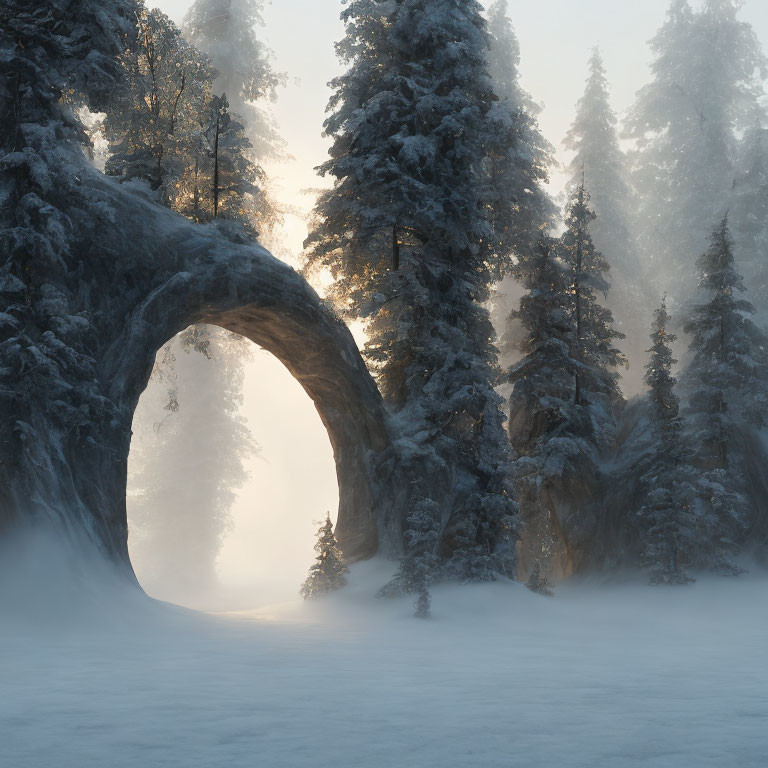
x: 230, y: 467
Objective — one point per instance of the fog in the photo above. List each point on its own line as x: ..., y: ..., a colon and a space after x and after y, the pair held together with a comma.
x: 619, y: 676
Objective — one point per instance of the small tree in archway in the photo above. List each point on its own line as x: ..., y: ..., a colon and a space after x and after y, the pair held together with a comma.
x: 329, y: 571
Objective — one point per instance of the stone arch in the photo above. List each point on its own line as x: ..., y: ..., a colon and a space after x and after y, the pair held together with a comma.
x: 147, y: 275
x: 265, y: 301
x: 98, y: 276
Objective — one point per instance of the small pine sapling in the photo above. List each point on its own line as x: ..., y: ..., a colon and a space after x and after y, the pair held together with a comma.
x: 328, y: 573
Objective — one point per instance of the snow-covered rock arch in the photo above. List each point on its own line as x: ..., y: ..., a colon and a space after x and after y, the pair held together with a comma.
x: 242, y: 288
x: 139, y: 275
x: 97, y: 276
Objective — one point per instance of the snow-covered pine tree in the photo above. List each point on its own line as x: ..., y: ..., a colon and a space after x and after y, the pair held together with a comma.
x: 245, y: 76
x: 518, y: 162
x: 565, y: 391
x: 405, y: 233
x: 226, y: 31
x: 547, y: 430
x: 48, y: 50
x: 234, y: 184
x: 538, y: 582
x: 542, y: 397
x: 595, y: 376
x: 328, y: 573
x: 685, y: 123
x: 419, y: 567
x: 152, y: 121
x: 748, y: 216
x: 667, y: 517
x: 725, y: 382
x: 600, y: 164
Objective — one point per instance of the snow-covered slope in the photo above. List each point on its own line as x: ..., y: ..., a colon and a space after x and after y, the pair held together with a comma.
x: 599, y: 677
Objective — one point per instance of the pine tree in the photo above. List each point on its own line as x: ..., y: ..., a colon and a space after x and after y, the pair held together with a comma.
x: 328, y: 573
x: 749, y: 215
x: 726, y: 387
x: 706, y: 80
x: 226, y: 31
x: 668, y: 515
x: 419, y: 567
x: 405, y: 234
x: 518, y: 160
x: 543, y: 379
x: 595, y: 377
x: 564, y: 389
x: 151, y: 122
x: 550, y: 434
x: 245, y: 77
x: 538, y: 582
x: 599, y: 163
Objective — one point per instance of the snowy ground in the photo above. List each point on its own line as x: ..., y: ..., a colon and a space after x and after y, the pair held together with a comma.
x: 614, y: 677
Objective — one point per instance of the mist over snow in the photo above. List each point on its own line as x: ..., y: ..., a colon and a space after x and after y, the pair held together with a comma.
x: 601, y: 676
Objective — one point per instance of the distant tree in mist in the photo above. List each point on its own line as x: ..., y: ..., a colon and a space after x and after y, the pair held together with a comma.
x: 599, y: 163
x: 226, y: 31
x: 329, y: 571
x: 726, y: 385
x: 188, y: 459
x: 748, y: 216
x: 519, y: 158
x: 517, y: 168
x: 406, y: 233
x: 707, y: 73
x: 668, y: 516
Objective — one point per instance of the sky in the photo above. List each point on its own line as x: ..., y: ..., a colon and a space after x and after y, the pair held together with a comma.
x: 293, y: 483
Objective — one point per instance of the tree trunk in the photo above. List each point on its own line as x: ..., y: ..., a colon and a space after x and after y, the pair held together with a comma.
x: 216, y: 166
x: 395, y: 249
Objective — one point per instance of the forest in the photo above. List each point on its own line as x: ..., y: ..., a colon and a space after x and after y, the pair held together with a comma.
x: 543, y: 385
x: 527, y: 353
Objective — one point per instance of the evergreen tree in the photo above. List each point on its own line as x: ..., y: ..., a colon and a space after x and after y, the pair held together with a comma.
x: 726, y: 387
x: 667, y: 517
x: 152, y: 120
x: 226, y: 183
x: 564, y: 388
x: 599, y: 163
x: 549, y: 433
x: 226, y: 31
x: 189, y: 457
x: 419, y: 567
x: 543, y: 379
x: 519, y: 158
x: 706, y: 78
x: 595, y: 376
x: 749, y: 215
x: 538, y: 582
x: 405, y: 233
x: 329, y: 571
